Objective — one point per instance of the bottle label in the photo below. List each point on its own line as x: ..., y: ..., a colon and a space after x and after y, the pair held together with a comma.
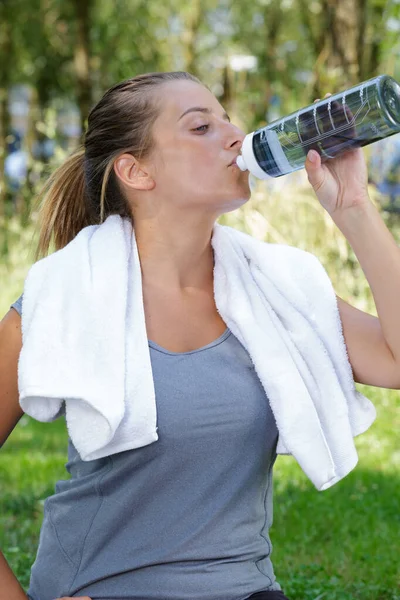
x: 277, y: 151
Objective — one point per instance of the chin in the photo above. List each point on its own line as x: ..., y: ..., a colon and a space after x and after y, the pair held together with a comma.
x: 244, y: 192
x: 233, y: 203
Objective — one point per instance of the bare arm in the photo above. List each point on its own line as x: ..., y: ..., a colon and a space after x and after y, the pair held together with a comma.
x: 373, y: 344
x: 10, y: 588
x: 371, y: 359
x: 11, y: 412
x: 341, y: 186
x: 10, y: 348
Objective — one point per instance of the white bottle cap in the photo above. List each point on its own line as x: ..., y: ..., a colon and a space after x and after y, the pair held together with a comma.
x: 249, y: 160
x: 240, y: 163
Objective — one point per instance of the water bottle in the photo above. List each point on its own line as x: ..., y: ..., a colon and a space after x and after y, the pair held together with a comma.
x: 356, y: 117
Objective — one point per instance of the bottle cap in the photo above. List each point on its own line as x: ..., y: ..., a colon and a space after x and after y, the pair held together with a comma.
x: 240, y: 163
x: 247, y: 160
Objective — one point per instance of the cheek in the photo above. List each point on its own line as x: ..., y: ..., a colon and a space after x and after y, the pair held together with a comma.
x: 197, y: 166
x: 190, y: 160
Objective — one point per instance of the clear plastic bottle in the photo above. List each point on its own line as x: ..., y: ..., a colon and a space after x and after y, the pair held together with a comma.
x: 356, y: 117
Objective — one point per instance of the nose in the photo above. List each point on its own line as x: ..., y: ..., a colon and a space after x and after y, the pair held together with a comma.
x: 234, y: 137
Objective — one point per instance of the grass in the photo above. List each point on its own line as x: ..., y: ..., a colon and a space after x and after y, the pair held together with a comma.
x: 341, y: 544
x: 31, y: 461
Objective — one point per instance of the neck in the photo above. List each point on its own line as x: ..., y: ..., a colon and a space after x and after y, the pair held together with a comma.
x: 175, y: 255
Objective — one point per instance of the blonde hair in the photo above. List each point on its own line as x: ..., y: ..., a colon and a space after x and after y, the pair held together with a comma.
x: 84, y: 190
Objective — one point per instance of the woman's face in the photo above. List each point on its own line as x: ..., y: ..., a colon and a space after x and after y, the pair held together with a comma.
x: 195, y: 144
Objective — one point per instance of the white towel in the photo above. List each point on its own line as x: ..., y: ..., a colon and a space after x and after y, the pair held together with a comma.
x: 85, y: 350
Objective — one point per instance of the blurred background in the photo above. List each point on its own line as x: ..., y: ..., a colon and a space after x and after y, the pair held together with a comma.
x: 262, y: 59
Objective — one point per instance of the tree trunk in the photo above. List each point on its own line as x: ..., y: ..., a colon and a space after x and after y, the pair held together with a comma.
x: 273, y: 20
x: 362, y: 10
x: 377, y: 33
x: 6, y: 48
x: 82, y: 58
x: 32, y: 136
x: 346, y: 43
x: 339, y: 39
x: 192, y: 25
x: 343, y: 34
x: 4, y: 129
x: 318, y: 40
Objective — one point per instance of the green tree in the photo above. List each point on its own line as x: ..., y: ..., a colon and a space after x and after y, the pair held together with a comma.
x: 8, y: 64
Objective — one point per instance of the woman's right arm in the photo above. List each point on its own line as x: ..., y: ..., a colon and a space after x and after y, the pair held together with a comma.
x: 10, y: 588
x: 11, y: 412
x: 10, y: 348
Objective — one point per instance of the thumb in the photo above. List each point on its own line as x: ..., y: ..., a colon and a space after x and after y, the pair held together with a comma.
x: 315, y: 173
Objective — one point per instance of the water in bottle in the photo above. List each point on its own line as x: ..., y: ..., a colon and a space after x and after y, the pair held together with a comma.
x: 356, y: 117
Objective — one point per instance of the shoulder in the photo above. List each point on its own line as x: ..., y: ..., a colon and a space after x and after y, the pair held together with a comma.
x: 300, y: 262
x: 17, y: 305
x: 295, y: 273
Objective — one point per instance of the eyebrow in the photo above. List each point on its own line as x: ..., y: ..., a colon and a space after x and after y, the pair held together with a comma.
x: 203, y: 110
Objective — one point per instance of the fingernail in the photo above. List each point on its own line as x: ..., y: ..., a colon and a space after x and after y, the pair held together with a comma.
x: 313, y: 156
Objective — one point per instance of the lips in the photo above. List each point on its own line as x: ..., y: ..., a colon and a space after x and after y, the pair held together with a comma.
x: 233, y: 162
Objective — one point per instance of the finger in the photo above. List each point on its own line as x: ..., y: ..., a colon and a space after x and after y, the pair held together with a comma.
x: 315, y: 174
x: 326, y: 96
x: 313, y: 158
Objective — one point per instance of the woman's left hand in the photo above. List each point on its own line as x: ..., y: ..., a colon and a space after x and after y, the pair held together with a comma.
x: 339, y: 183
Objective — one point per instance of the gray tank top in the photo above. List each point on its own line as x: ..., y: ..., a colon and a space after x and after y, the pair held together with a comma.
x: 186, y: 517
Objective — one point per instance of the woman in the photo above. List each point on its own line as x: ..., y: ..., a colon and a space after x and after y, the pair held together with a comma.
x: 187, y: 517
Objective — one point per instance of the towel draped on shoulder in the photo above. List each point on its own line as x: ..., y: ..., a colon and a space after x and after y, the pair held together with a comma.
x: 85, y: 350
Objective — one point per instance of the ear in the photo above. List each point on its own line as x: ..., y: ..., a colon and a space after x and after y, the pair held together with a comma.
x: 132, y: 174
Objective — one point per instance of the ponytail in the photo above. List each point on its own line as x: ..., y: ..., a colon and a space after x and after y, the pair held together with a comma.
x: 63, y: 206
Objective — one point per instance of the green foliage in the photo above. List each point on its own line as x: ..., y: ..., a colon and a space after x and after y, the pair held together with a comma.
x: 32, y: 461
x: 129, y: 37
